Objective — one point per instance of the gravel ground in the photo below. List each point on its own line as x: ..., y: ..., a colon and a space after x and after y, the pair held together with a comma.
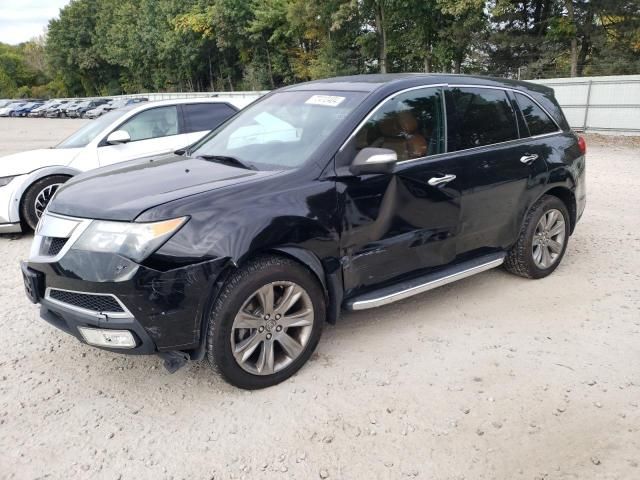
x: 493, y: 377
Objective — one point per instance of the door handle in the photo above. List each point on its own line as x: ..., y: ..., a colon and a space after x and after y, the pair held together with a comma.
x: 528, y: 159
x: 435, y: 181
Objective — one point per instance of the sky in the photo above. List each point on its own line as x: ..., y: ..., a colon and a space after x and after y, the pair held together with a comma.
x: 21, y: 20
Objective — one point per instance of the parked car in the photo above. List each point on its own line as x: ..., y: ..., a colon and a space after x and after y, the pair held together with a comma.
x: 96, y: 112
x: 24, y: 110
x: 9, y: 109
x: 58, y: 109
x: 354, y: 193
x: 29, y: 179
x: 123, y: 102
x: 79, y: 110
x: 39, y: 111
x: 66, y: 108
x: 113, y: 105
x: 5, y: 101
x: 70, y: 111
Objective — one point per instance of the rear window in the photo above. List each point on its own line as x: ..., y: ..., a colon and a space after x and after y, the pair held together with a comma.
x: 201, y: 117
x: 537, y: 120
x: 478, y: 117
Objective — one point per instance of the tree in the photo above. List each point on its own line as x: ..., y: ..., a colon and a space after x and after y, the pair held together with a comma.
x: 105, y: 47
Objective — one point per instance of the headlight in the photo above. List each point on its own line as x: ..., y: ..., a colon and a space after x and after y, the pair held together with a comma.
x: 5, y: 180
x: 132, y: 240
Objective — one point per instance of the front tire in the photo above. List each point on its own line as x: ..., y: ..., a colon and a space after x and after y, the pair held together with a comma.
x: 266, y: 322
x: 37, y: 197
x: 543, y: 240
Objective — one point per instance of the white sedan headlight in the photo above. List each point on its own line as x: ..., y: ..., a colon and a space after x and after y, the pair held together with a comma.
x: 132, y: 240
x: 5, y: 180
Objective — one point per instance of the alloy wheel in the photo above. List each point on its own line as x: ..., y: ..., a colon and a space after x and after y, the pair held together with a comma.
x: 272, y: 328
x: 44, y: 197
x: 548, y: 239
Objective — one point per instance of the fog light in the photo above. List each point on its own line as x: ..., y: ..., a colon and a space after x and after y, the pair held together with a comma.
x: 108, y: 338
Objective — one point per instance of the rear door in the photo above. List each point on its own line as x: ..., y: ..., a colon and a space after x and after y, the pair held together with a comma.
x: 154, y: 131
x: 398, y: 223
x: 503, y: 172
x: 201, y: 118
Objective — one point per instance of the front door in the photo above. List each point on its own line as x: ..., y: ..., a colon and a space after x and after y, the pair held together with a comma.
x: 155, y: 131
x: 399, y: 223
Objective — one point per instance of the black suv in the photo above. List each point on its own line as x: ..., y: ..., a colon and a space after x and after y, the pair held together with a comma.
x: 345, y: 193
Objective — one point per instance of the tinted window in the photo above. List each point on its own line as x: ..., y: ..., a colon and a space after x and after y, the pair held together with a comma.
x: 537, y: 121
x: 153, y: 123
x: 205, y: 116
x: 479, y: 116
x: 411, y: 124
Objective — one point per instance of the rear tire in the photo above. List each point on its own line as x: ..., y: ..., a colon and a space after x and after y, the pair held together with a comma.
x: 257, y: 339
x: 542, y: 241
x: 37, y: 197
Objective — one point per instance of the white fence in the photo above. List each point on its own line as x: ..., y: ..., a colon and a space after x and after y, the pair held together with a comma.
x: 599, y: 104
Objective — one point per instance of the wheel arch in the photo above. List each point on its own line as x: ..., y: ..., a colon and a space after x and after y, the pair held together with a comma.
x: 327, y: 273
x: 331, y: 284
x: 566, y: 195
x: 329, y: 278
x: 33, y: 177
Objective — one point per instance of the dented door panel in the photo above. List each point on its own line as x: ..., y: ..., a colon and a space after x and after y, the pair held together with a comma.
x: 396, y: 224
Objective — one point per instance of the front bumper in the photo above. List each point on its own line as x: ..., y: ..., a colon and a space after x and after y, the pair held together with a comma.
x: 70, y: 321
x: 9, y: 218
x: 163, y: 309
x: 10, y: 227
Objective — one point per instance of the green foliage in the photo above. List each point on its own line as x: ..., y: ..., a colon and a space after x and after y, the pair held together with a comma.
x: 101, y: 47
x: 21, y: 66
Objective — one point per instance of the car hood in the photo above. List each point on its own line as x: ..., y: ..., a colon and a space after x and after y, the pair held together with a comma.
x: 27, y: 162
x: 124, y: 191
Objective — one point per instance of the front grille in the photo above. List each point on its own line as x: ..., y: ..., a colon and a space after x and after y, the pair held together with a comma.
x: 55, y: 245
x: 88, y: 301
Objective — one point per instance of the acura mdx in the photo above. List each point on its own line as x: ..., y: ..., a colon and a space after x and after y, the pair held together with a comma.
x: 345, y: 193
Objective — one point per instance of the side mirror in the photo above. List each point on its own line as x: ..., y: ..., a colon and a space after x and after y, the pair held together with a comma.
x: 374, y: 160
x: 117, y: 137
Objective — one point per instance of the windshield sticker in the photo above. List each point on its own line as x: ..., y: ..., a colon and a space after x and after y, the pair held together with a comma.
x: 325, y: 100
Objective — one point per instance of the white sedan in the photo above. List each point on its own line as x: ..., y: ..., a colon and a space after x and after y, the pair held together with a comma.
x: 28, y: 180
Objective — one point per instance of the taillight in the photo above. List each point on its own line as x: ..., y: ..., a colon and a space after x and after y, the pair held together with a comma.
x: 582, y: 145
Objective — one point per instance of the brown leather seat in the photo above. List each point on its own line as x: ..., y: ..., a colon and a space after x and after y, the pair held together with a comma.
x: 399, y: 132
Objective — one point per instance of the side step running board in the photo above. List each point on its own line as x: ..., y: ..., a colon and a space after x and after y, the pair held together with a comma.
x: 408, y: 288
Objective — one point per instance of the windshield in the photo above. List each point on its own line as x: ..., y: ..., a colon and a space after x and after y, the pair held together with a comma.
x: 281, y: 131
x: 87, y: 133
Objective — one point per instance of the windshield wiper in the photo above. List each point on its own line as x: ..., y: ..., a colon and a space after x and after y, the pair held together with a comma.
x: 232, y: 161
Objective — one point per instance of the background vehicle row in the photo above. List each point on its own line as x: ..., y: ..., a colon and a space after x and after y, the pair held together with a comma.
x: 78, y: 108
